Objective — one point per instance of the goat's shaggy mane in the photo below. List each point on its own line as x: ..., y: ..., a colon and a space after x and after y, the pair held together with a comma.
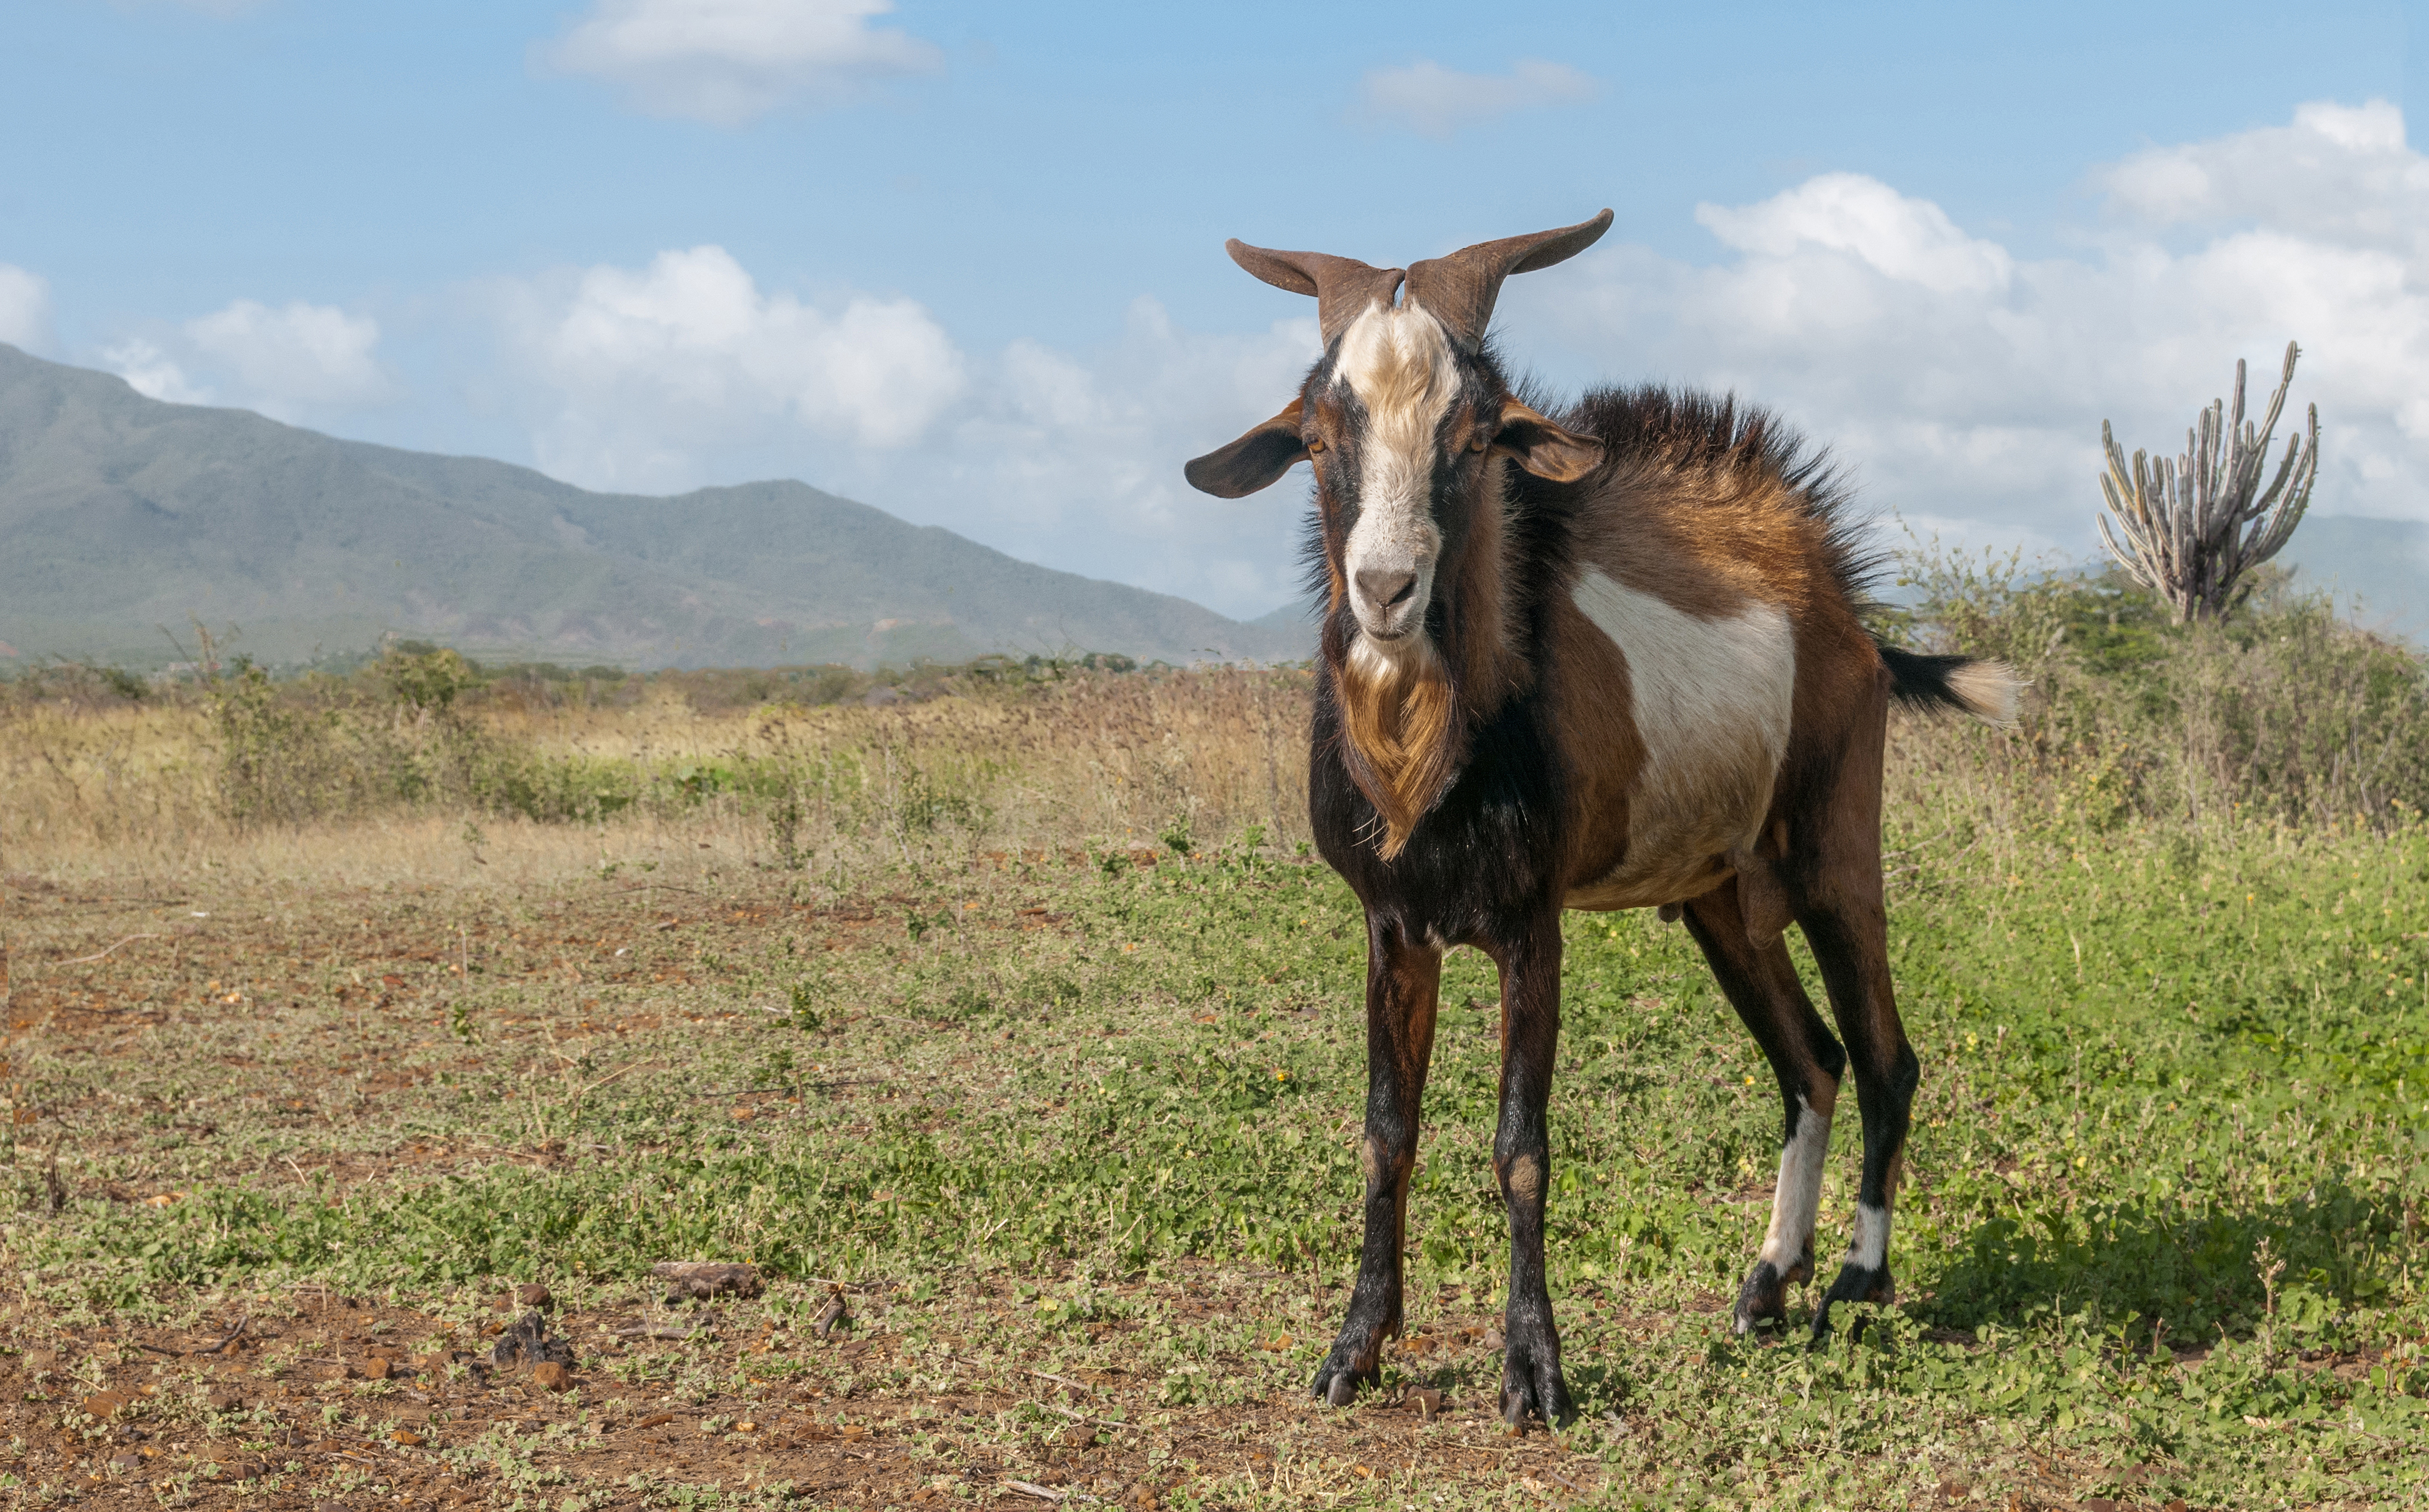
x: 1693, y: 431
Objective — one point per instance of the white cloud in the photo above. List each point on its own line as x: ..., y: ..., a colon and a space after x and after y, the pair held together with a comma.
x: 1434, y: 100
x: 1964, y: 384
x: 2338, y: 172
x: 1960, y: 384
x: 687, y: 373
x: 298, y: 363
x: 24, y: 309
x: 1074, y: 459
x: 653, y: 372
x: 729, y: 62
x: 215, y: 9
x: 293, y: 360
x: 153, y: 373
x: 1907, y: 239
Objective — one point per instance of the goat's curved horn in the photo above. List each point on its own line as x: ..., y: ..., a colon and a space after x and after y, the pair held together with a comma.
x: 1459, y: 289
x: 1343, y: 286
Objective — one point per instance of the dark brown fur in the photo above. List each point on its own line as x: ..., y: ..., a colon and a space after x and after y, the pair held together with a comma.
x: 1468, y: 801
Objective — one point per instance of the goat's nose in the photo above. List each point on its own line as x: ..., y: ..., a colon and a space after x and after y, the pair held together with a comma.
x: 1383, y: 587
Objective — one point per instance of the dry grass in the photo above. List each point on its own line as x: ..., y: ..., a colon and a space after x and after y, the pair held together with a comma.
x: 874, y: 994
x: 143, y: 790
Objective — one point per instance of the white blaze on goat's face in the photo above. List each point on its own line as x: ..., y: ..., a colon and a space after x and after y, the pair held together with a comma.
x: 1399, y: 364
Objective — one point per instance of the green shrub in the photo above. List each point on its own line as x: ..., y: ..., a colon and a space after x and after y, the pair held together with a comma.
x: 2285, y: 713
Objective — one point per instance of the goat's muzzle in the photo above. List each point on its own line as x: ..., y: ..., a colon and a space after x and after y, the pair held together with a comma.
x: 1389, y: 599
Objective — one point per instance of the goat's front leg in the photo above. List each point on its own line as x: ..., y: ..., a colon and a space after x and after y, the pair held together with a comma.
x: 1403, y: 977
x: 1529, y: 958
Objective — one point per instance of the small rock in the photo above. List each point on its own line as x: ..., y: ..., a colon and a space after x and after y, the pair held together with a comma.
x: 408, y: 1439
x: 831, y: 1316
x: 527, y: 1343
x: 126, y: 1464
x: 224, y: 1399
x: 704, y: 1279
x: 533, y: 1294
x: 378, y: 1367
x: 550, y: 1377
x: 104, y: 1404
x: 1428, y: 1402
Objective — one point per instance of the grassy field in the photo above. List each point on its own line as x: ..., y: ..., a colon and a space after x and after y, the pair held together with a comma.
x: 1021, y: 1022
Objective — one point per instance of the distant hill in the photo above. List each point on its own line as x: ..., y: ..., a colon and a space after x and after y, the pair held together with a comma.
x: 120, y: 513
x: 2383, y: 562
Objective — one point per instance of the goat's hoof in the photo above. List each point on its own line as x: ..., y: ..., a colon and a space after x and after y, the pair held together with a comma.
x: 1338, y: 1379
x: 1532, y: 1386
x: 1856, y: 1283
x: 1762, y: 1302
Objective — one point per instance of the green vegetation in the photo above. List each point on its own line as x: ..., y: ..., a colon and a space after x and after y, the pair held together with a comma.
x: 2284, y: 713
x: 2172, y: 1100
x: 2166, y: 962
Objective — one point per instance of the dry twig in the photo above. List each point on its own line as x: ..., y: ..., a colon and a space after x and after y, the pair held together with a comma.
x: 80, y: 961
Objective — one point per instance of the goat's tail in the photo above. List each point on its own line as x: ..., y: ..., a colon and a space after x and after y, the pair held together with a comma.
x: 1986, y: 690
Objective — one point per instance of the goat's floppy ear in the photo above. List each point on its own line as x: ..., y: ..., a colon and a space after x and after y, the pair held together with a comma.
x: 1542, y: 448
x: 1253, y: 461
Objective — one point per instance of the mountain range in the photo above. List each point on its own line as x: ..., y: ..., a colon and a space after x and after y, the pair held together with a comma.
x: 122, y: 518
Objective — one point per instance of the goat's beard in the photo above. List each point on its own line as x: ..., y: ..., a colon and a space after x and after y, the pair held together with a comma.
x: 1399, y: 711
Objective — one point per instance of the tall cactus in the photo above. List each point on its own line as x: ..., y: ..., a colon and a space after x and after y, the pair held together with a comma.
x: 2193, y: 526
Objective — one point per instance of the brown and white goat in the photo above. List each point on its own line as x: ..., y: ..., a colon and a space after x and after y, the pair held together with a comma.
x: 1606, y: 659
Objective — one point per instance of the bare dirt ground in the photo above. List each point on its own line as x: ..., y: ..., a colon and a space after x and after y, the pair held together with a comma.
x: 295, y: 1039
x: 442, y: 1427
x: 206, y: 1088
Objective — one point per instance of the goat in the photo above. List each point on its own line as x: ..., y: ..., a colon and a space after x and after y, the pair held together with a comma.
x: 1608, y: 659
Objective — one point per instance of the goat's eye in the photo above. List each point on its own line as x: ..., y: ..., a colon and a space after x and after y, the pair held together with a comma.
x: 1314, y: 447
x: 1479, y: 441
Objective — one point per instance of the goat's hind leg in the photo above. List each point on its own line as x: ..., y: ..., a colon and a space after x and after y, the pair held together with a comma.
x: 1760, y: 983
x: 1838, y: 902
x: 1852, y: 948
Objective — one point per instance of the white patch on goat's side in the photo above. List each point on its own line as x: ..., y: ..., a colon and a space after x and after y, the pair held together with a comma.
x: 1711, y: 699
x: 1399, y: 363
x: 1870, y: 1249
x: 1799, y: 1193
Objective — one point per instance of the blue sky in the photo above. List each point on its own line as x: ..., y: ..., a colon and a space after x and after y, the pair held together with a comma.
x: 964, y: 262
